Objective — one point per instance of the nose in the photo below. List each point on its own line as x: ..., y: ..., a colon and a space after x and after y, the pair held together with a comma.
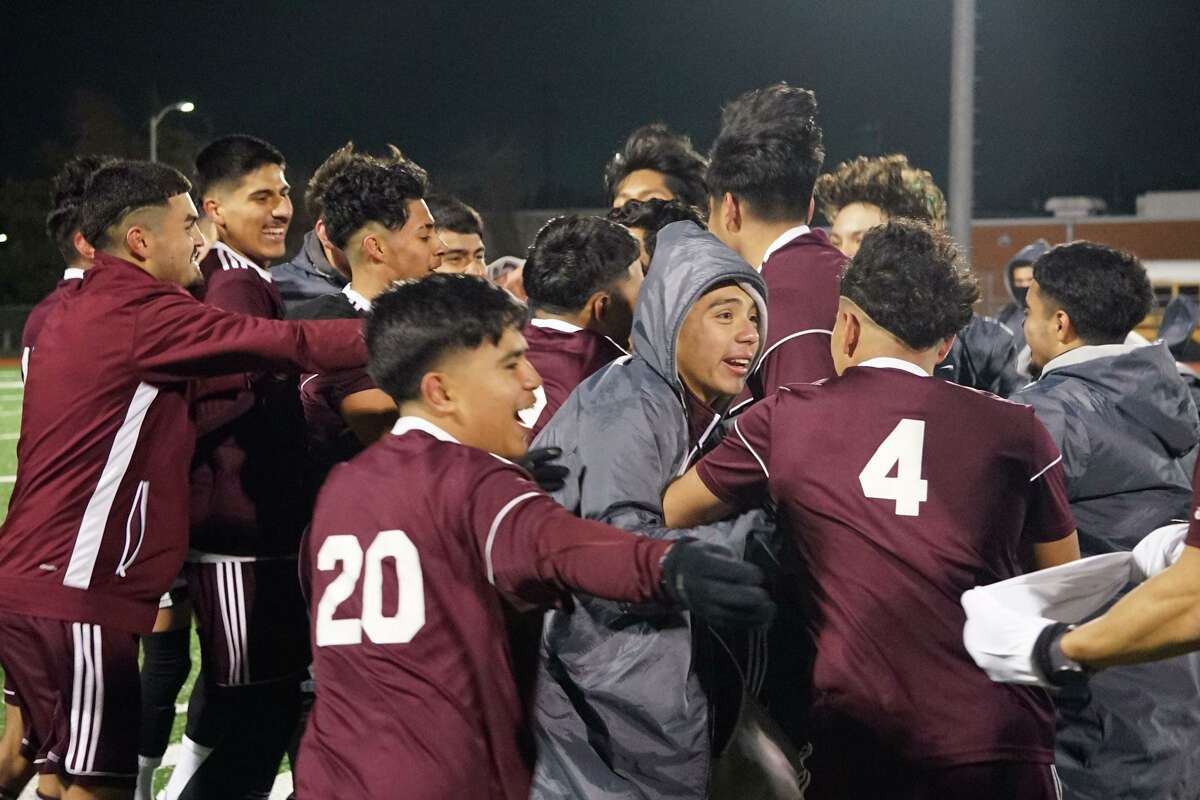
x: 530, y: 378
x: 749, y: 333
x: 283, y: 210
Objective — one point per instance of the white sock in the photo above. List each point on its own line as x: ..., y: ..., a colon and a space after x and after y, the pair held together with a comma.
x: 191, y: 756
x: 145, y: 778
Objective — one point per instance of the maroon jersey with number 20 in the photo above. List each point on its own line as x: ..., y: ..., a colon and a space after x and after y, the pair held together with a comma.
x: 409, y: 544
x: 901, y: 493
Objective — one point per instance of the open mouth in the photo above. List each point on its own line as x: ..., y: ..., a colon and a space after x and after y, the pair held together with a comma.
x: 275, y: 234
x: 739, y: 366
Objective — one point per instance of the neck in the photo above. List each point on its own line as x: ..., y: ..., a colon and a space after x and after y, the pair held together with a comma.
x: 580, y: 319
x: 757, y: 237
x: 880, y: 344
x: 415, y: 408
x: 367, y: 282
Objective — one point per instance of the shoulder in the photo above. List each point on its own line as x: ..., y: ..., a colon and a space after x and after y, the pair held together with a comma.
x: 222, y: 264
x: 327, y: 306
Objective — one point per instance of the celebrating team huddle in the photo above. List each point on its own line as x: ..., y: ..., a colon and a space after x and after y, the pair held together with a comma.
x: 692, y: 502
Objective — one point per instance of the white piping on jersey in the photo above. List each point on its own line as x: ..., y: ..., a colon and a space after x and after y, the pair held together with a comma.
x: 738, y: 431
x: 309, y: 378
x: 703, y: 438
x: 356, y: 299
x: 95, y: 517
x: 72, y: 274
x: 1046, y: 469
x: 410, y: 423
x: 140, y: 497
x: 789, y: 337
x: 887, y: 362
x: 233, y: 260
x: 25, y: 363
x: 491, y: 537
x: 784, y: 238
x: 560, y: 325
x: 87, y: 698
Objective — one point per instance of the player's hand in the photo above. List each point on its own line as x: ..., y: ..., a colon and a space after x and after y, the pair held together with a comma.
x: 709, y: 581
x: 540, y: 464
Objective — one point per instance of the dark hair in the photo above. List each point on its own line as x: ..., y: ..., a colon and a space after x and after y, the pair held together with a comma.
x: 66, y: 198
x: 119, y: 189
x: 371, y: 190
x: 1104, y: 291
x: 573, y: 257
x: 230, y: 158
x: 652, y: 216
x: 454, y: 215
x: 414, y: 324
x: 659, y: 148
x: 911, y: 280
x: 769, y: 152
x: 314, y: 191
x: 889, y: 182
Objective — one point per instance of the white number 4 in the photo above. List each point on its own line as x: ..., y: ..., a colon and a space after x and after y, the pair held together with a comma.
x: 398, y: 628
x: 902, y: 449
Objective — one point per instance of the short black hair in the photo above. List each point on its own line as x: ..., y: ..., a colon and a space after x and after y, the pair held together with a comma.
x: 1105, y: 291
x: 314, y: 191
x: 768, y: 152
x: 117, y: 190
x: 414, y: 324
x: 889, y: 182
x: 66, y: 199
x: 230, y: 158
x: 661, y: 149
x: 371, y: 190
x: 454, y: 215
x: 912, y: 281
x: 652, y: 216
x: 573, y: 257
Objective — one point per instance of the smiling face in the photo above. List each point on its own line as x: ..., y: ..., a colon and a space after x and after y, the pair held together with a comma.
x: 851, y: 222
x: 717, y: 344
x: 489, y: 386
x: 252, y: 216
x: 170, y: 241
x: 465, y: 253
x: 413, y: 250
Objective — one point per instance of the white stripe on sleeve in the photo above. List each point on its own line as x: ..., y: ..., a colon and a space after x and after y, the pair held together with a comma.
x: 487, y: 550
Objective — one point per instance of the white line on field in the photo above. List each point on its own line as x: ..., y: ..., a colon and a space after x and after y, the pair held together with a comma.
x: 11, y: 385
x: 10, y: 436
x: 8, y: 478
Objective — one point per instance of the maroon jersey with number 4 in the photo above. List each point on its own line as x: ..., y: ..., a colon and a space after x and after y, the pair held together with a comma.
x: 565, y: 356
x: 901, y: 493
x: 409, y: 544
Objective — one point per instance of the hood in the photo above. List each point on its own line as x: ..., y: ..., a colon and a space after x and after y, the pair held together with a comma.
x: 688, y: 262
x: 1148, y: 389
x: 312, y: 257
x: 1025, y: 256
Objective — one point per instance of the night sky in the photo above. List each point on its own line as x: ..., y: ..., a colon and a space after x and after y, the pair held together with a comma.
x: 1098, y: 98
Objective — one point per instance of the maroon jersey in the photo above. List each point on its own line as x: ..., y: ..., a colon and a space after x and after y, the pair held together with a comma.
x: 409, y: 543
x: 803, y: 284
x: 248, y: 487
x: 564, y: 355
x: 72, y: 279
x: 1193, y: 534
x: 901, y: 493
x: 97, y: 524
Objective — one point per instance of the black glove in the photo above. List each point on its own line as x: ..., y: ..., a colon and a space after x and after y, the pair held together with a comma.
x: 1053, y: 664
x: 539, y: 464
x: 709, y: 581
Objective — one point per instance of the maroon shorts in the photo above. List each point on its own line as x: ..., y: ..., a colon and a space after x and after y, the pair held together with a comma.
x: 79, y: 693
x: 29, y: 747
x: 251, y: 619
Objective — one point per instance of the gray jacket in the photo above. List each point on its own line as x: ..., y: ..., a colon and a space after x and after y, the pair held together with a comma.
x: 1127, y: 428
x: 620, y: 712
x: 308, y: 275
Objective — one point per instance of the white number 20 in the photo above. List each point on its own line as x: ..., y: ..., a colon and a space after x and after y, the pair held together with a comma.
x: 902, y: 449
x: 399, y: 628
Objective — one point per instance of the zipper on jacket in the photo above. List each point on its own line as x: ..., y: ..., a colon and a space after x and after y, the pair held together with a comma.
x: 141, y: 497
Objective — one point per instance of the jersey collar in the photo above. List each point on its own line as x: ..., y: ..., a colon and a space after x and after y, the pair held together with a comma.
x: 555, y: 325
x: 1088, y: 352
x: 356, y: 299
x: 73, y: 274
x: 784, y: 238
x: 887, y: 362
x: 407, y: 424
x: 231, y: 259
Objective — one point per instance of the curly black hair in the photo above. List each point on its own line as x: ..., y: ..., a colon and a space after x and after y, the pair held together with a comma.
x: 652, y: 216
x: 769, y: 152
x: 898, y: 188
x: 911, y: 280
x: 574, y: 257
x: 314, y: 191
x: 230, y: 158
x: 66, y: 199
x: 371, y: 190
x: 115, y: 191
x: 416, y: 323
x: 661, y: 149
x: 1105, y: 291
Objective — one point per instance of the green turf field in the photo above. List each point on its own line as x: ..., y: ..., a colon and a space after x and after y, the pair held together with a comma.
x: 10, y: 424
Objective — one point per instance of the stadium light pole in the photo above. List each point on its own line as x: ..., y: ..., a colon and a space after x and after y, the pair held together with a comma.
x: 186, y: 106
x: 962, y: 124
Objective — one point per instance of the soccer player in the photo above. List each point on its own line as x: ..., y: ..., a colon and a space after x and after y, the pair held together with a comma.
x: 582, y: 276
x: 761, y: 172
x: 97, y: 524
x: 375, y: 213
x: 893, y: 520
x: 249, y: 503
x: 414, y: 540
x: 866, y: 192
x: 656, y: 162
x: 645, y: 218
x: 461, y: 230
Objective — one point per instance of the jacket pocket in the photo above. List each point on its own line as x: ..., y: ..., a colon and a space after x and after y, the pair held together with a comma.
x: 136, y: 519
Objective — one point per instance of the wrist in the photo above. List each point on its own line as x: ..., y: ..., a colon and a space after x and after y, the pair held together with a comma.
x: 1056, y: 664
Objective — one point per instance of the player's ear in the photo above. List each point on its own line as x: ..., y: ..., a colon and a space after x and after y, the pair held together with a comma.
x: 83, y: 246
x: 138, y: 241
x: 812, y: 208
x: 1064, y: 328
x: 853, y: 331
x: 323, y: 234
x: 435, y: 391
x: 599, y: 304
x: 372, y: 247
x: 944, y: 348
x: 731, y: 213
x: 213, y: 210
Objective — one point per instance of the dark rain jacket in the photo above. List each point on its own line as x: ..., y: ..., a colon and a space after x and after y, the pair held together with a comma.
x: 1127, y: 428
x: 983, y: 357
x: 308, y: 275
x: 620, y: 712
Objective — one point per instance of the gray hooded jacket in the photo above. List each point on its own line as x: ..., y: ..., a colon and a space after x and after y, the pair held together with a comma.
x: 620, y: 712
x: 1127, y: 428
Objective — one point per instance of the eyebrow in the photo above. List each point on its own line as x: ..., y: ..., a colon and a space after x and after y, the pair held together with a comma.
x: 511, y: 354
x: 728, y: 301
